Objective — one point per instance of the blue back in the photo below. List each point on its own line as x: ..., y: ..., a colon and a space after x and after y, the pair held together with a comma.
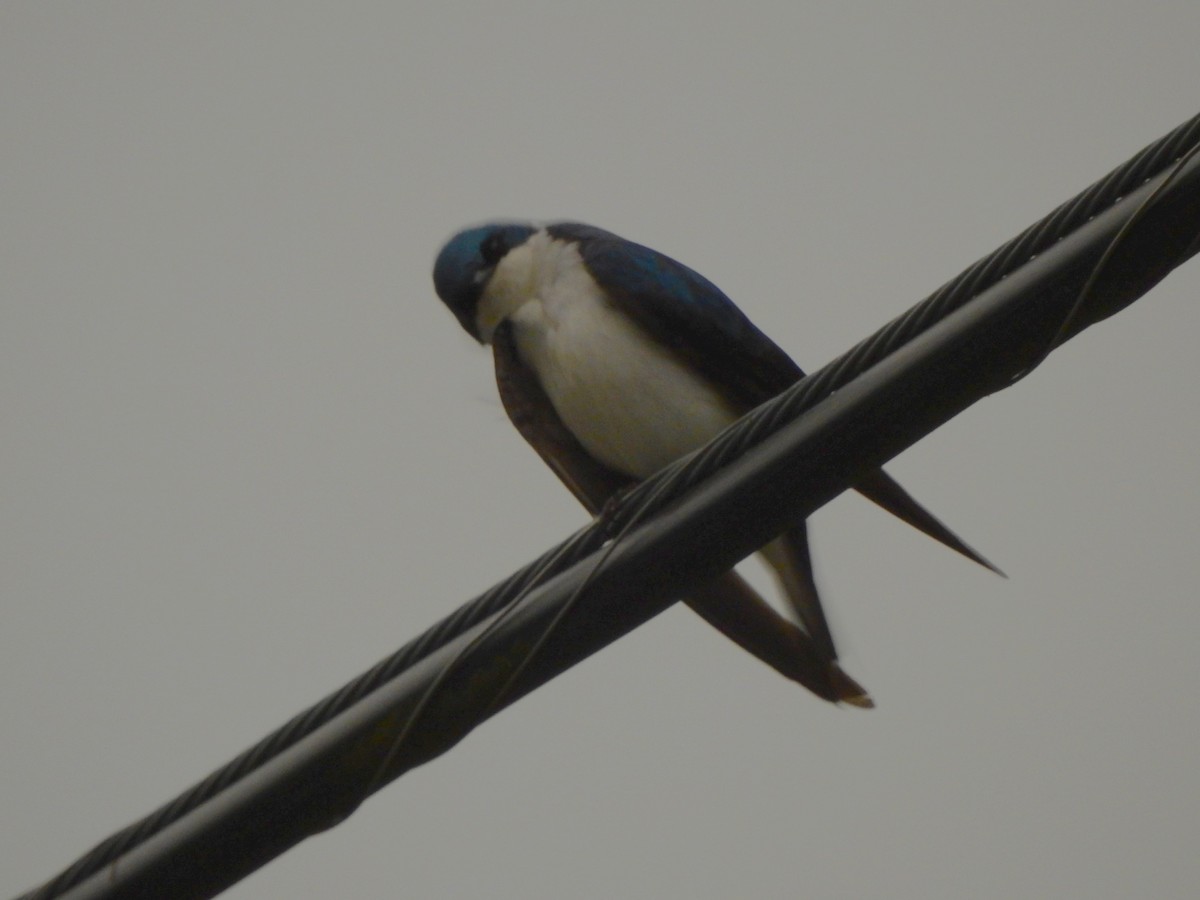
x: 686, y: 312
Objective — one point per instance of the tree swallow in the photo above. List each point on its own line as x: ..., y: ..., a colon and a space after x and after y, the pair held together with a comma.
x: 612, y: 361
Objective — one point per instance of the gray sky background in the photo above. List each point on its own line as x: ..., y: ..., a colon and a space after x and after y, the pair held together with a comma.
x: 246, y: 452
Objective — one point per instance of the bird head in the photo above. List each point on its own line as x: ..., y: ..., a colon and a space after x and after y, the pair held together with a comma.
x: 466, y: 264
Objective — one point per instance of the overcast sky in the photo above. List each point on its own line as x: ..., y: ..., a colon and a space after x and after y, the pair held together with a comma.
x: 246, y: 452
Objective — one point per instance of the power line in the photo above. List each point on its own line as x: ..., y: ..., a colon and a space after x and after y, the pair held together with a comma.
x: 970, y: 338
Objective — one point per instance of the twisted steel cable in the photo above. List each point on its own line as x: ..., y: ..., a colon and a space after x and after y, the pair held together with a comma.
x: 658, y: 492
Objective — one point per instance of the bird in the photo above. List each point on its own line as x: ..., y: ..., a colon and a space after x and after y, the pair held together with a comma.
x: 613, y: 360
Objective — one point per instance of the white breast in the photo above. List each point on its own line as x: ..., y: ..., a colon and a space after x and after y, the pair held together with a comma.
x: 631, y: 403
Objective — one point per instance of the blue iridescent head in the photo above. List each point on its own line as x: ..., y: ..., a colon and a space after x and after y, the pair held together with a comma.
x: 467, y: 262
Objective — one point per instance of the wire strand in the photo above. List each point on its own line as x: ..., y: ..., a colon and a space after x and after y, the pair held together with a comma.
x: 655, y: 493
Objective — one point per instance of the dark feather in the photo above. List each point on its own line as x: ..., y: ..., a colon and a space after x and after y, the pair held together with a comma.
x: 729, y: 604
x: 686, y: 312
x: 691, y: 315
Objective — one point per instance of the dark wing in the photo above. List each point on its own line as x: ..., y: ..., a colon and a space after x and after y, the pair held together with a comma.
x: 690, y: 314
x: 884, y: 491
x: 728, y: 603
x: 685, y: 311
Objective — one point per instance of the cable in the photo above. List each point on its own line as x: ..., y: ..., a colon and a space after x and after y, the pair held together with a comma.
x: 657, y: 492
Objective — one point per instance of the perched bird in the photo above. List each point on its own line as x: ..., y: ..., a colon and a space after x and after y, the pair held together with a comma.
x: 613, y: 361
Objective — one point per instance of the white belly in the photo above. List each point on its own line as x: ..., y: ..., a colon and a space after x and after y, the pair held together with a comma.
x: 629, y: 402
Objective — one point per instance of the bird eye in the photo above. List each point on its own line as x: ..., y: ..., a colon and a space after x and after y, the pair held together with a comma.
x: 493, y: 248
